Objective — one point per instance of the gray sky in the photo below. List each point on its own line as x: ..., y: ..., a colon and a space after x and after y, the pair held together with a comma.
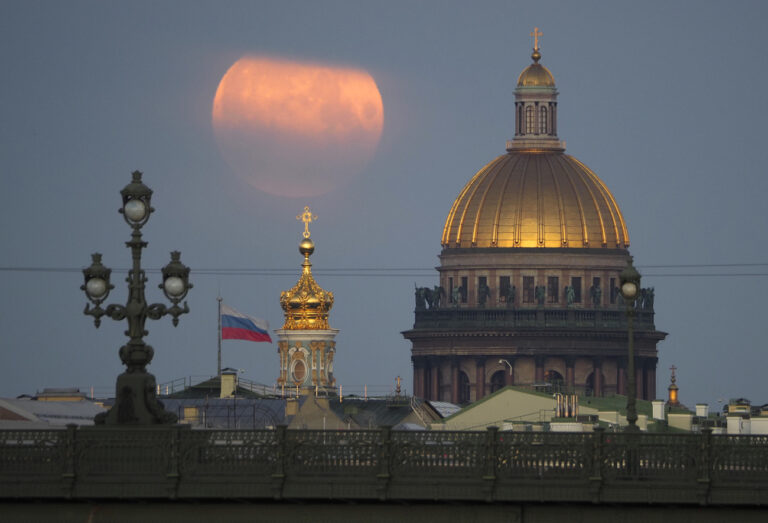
x: 663, y: 100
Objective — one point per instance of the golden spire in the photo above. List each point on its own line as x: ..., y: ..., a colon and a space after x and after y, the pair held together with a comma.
x: 306, y: 305
x: 536, y: 54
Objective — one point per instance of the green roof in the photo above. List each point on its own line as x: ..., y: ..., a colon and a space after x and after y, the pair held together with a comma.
x: 617, y: 403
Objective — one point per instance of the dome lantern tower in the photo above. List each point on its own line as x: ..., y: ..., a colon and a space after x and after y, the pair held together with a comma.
x: 535, y: 107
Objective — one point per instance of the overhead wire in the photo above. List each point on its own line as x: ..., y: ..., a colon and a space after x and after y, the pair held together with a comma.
x: 403, y: 272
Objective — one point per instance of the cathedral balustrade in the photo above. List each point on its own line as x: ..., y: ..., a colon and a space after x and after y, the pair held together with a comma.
x: 177, y: 462
x: 566, y: 318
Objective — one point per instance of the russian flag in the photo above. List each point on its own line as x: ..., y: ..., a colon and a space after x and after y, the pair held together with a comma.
x: 238, y: 326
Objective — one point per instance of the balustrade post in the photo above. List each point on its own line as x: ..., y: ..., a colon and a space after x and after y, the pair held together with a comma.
x: 68, y: 474
x: 174, y: 465
x: 278, y: 476
x: 384, y: 456
x: 596, y: 476
x: 705, y: 463
x: 490, y: 461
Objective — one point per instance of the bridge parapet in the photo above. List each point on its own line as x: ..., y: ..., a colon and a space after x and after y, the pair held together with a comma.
x: 179, y: 463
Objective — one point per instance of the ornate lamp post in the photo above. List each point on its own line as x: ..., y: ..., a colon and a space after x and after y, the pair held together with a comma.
x: 629, y: 280
x: 136, y: 401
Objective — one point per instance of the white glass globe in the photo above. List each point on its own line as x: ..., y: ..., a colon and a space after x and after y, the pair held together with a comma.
x: 174, y: 286
x: 629, y: 290
x: 96, y: 288
x: 135, y: 210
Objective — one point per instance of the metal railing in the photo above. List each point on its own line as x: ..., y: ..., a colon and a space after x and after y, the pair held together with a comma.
x: 530, y: 318
x: 176, y: 462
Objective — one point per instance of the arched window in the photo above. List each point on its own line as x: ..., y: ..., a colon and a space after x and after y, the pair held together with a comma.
x: 498, y: 380
x: 542, y: 120
x: 554, y: 379
x: 589, y: 385
x: 529, y: 123
x: 519, y: 126
x: 463, y: 387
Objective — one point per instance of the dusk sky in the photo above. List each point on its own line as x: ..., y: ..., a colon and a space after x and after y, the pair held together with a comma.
x: 664, y: 101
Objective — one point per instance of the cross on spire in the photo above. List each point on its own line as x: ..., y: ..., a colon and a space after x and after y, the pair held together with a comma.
x: 673, y: 369
x: 536, y: 34
x: 307, y: 217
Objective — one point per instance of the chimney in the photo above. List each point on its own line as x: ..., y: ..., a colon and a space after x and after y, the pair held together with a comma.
x: 228, y: 380
x: 658, y: 409
x: 702, y: 410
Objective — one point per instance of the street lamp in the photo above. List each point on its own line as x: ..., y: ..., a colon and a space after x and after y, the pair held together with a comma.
x: 629, y: 281
x: 136, y: 402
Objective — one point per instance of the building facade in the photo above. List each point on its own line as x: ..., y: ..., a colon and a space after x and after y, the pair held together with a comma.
x: 529, y: 271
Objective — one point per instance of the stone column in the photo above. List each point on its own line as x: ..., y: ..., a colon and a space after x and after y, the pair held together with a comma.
x: 651, y: 375
x: 454, y: 381
x: 418, y: 378
x: 539, y: 374
x: 621, y: 376
x: 570, y: 379
x: 639, y: 378
x: 435, y: 375
x: 479, y: 378
x: 597, y: 373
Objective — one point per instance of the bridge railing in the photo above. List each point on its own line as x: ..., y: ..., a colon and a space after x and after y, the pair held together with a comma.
x: 177, y: 462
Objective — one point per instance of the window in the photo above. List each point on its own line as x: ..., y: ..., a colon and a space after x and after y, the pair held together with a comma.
x: 450, y: 290
x: 498, y: 380
x: 553, y: 291
x: 614, y: 290
x: 463, y: 289
x: 542, y: 120
x: 529, y: 120
x: 504, y: 288
x: 463, y: 387
x: 519, y: 129
x: 528, y: 290
x: 576, y: 285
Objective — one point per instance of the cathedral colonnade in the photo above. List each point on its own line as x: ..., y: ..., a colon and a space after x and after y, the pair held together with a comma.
x: 463, y: 380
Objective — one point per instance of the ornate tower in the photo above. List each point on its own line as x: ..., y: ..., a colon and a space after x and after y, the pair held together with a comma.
x: 532, y: 250
x: 306, y: 342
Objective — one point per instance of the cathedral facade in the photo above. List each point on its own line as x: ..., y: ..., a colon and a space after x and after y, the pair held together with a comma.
x: 529, y: 271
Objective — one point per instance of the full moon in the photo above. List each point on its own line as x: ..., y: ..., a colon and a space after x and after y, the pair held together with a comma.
x: 296, y: 129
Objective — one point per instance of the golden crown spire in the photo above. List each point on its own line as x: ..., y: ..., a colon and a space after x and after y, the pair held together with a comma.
x: 306, y: 305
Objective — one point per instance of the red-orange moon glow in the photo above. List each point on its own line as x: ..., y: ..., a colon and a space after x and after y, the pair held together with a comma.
x: 296, y: 129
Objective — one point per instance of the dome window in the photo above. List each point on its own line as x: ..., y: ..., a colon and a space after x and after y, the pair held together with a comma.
x: 530, y: 125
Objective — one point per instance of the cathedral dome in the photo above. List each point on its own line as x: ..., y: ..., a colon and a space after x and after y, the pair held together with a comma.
x: 535, y: 196
x: 535, y: 199
x: 536, y: 75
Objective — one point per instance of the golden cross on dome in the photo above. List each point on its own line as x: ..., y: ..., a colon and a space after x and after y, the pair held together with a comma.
x: 536, y: 34
x: 307, y: 217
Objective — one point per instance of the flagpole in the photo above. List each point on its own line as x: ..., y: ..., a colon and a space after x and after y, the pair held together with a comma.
x: 218, y: 373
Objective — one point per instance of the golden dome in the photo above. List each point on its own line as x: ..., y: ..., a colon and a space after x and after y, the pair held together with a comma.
x: 306, y: 305
x: 535, y: 75
x: 535, y: 199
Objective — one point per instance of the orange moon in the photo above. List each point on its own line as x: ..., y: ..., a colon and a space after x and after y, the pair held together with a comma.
x: 296, y: 129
